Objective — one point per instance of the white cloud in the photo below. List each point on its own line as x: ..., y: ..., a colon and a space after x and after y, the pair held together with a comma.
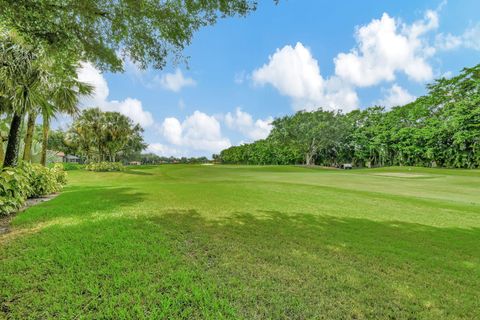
x: 130, y: 107
x: 244, y: 123
x: 199, y: 132
x: 396, y: 96
x: 469, y: 39
x: 174, y: 81
x: 386, y: 46
x: 162, y: 150
x: 295, y: 73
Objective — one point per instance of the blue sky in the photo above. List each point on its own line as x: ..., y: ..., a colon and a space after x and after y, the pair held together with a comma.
x: 301, y: 54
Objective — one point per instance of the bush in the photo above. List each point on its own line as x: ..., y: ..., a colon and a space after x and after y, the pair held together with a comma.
x: 27, y: 181
x: 60, y: 174
x: 45, y: 180
x: 15, y: 188
x: 104, y: 166
x: 67, y: 166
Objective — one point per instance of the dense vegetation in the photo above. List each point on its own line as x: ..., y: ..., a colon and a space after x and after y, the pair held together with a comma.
x: 441, y: 128
x: 28, y: 181
x: 42, y: 45
x: 248, y: 242
x: 151, y: 158
x: 100, y: 136
x: 104, y: 166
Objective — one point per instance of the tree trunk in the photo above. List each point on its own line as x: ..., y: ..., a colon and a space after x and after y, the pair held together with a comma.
x: 308, y: 159
x: 27, y: 152
x: 11, y: 154
x: 2, y: 154
x: 46, y: 129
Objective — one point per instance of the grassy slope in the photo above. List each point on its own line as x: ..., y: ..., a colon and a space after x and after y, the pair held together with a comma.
x: 249, y: 242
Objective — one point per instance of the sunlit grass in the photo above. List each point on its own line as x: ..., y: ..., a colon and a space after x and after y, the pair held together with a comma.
x: 248, y: 242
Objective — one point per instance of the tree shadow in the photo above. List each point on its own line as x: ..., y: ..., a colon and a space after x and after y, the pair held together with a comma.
x: 137, y: 172
x: 271, y: 264
x: 252, y: 265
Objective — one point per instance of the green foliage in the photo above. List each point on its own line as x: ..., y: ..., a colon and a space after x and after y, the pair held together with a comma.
x: 15, y: 188
x: 60, y: 174
x: 104, y: 31
x: 440, y: 129
x: 68, y: 166
x: 45, y: 180
x: 104, y: 166
x: 28, y: 181
x: 100, y: 136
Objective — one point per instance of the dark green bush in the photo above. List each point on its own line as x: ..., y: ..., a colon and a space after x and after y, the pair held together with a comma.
x: 104, y: 166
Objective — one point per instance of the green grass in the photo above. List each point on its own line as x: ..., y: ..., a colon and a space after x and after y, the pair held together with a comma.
x: 212, y: 242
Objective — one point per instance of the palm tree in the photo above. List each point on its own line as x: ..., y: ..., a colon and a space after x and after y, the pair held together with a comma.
x: 65, y: 92
x: 27, y: 150
x: 31, y: 82
x: 21, y: 79
x: 3, y: 137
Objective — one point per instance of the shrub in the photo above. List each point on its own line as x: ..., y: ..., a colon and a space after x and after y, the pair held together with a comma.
x: 15, y: 188
x: 68, y: 166
x: 45, y: 180
x: 60, y: 174
x: 26, y: 181
x: 104, y: 166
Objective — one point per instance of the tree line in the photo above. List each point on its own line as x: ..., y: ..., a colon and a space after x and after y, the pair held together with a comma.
x: 441, y: 128
x: 42, y: 45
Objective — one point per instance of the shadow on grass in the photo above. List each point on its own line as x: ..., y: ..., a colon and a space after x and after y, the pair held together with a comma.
x: 137, y: 172
x: 252, y: 265
x: 276, y: 265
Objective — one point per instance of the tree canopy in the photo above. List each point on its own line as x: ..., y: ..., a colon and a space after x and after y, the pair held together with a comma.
x: 441, y: 128
x: 101, y: 136
x: 105, y: 31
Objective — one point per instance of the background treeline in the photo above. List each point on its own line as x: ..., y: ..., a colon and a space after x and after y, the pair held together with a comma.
x: 441, y: 128
x: 151, y: 158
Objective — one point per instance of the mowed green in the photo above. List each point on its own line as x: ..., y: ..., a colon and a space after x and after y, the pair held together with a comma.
x: 213, y: 242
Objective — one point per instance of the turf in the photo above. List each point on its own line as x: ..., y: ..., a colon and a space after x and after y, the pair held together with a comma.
x: 213, y: 242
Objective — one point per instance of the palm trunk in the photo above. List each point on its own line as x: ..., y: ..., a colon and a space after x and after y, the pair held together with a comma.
x: 27, y: 152
x: 2, y: 152
x: 11, y: 154
x: 46, y: 129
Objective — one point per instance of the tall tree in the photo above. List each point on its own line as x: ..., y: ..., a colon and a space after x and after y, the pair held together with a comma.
x: 105, y: 31
x: 27, y: 150
x: 21, y: 76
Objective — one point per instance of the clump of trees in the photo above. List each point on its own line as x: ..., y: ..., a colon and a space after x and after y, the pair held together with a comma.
x: 43, y: 42
x: 99, y: 136
x: 441, y: 128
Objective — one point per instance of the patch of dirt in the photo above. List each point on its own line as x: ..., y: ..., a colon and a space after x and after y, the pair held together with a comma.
x: 5, y: 221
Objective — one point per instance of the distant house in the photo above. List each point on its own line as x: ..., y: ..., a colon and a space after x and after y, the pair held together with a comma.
x: 59, y: 156
x: 134, y: 163
x: 71, y: 159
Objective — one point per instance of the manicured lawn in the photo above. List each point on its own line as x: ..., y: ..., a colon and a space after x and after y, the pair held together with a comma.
x: 212, y: 242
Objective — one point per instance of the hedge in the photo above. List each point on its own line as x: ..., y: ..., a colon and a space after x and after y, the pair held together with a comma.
x: 28, y: 181
x: 104, y: 166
